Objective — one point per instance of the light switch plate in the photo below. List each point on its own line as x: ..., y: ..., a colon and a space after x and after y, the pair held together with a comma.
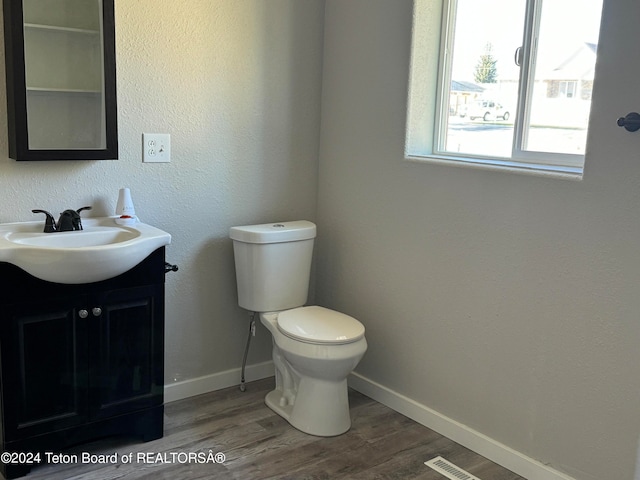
x: 156, y: 147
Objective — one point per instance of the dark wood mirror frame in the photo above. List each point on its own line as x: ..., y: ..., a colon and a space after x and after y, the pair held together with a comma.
x: 17, y: 95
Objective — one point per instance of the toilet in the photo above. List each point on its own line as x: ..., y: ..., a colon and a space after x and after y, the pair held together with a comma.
x: 314, y: 348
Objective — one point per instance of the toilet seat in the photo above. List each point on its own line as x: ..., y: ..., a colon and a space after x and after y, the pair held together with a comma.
x: 319, y: 325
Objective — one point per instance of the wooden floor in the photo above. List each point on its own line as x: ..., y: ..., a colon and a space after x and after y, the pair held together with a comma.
x: 258, y: 444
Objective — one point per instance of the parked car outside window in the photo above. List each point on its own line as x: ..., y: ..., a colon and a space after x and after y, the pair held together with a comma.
x: 486, y: 110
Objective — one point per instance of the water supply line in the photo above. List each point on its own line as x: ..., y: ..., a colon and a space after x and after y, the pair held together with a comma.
x: 252, y: 333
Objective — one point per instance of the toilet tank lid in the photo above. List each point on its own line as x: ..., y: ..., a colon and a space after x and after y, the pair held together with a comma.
x: 274, y: 232
x: 314, y: 324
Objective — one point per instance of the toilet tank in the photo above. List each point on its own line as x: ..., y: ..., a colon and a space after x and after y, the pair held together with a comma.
x: 273, y: 264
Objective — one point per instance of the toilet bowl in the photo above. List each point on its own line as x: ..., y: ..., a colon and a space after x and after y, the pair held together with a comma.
x: 314, y: 348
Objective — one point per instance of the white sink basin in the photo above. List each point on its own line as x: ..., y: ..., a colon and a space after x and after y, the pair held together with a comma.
x: 102, y: 250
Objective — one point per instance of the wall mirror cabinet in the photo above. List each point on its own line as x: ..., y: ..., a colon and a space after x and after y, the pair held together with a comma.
x: 61, y: 79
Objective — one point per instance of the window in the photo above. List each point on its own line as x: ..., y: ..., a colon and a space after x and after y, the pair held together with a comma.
x: 513, y: 82
x: 568, y: 89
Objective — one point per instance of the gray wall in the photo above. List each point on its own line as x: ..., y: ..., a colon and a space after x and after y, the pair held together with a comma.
x: 506, y: 302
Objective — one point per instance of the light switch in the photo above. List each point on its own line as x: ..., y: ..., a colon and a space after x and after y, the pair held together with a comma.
x: 156, y: 147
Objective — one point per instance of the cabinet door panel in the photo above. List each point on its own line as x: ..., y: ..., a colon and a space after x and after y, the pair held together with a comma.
x: 46, y: 392
x: 129, y: 355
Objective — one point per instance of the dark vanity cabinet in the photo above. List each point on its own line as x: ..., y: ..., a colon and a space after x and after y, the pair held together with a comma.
x: 80, y: 362
x: 61, y: 79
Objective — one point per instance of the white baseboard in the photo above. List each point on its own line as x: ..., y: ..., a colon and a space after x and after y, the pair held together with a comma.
x: 487, y: 447
x: 216, y: 381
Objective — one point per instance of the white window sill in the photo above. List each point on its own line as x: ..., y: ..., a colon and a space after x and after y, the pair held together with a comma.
x: 540, y: 170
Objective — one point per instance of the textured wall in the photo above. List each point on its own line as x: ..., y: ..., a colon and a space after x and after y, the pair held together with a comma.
x: 237, y: 85
x: 507, y: 302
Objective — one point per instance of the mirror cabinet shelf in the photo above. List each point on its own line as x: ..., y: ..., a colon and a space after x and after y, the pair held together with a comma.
x: 56, y: 28
x: 61, y: 91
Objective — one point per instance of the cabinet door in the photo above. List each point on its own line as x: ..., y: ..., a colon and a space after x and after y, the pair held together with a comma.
x: 129, y: 371
x: 44, y: 358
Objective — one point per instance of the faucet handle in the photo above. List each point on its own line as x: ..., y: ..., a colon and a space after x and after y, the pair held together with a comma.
x: 78, y: 224
x: 49, y: 222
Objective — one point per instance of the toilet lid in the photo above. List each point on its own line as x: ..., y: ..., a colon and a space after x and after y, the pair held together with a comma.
x: 319, y: 325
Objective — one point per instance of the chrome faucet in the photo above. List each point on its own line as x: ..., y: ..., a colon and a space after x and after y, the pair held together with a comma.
x: 69, y: 220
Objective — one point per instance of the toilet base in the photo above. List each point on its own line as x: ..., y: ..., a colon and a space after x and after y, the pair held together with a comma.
x: 320, y: 408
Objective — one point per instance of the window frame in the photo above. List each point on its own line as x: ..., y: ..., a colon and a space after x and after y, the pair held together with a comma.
x: 561, y: 163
